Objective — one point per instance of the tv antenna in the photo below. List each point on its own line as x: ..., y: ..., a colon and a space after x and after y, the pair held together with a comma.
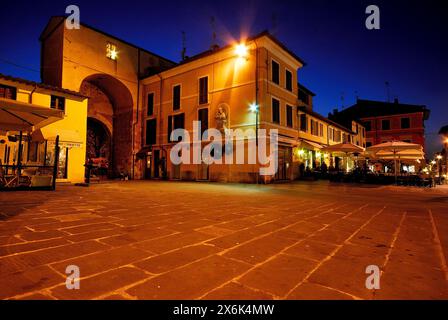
x: 184, y: 49
x: 342, y: 100
x: 213, y: 27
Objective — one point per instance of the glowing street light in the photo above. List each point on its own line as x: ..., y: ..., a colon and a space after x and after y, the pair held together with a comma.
x: 253, y: 107
x: 439, y: 157
x: 241, y: 50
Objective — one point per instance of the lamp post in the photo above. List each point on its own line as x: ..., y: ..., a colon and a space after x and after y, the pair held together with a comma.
x: 254, y: 108
x: 439, y: 168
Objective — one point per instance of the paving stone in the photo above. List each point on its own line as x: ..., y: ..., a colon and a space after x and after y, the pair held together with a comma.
x: 174, y: 259
x: 173, y: 242
x: 312, y: 250
x: 100, y: 284
x: 260, y: 249
x: 28, y: 281
x: 311, y: 291
x: 103, y: 260
x: 190, y: 282
x: 31, y: 246
x: 279, y: 275
x: 236, y: 291
x: 170, y: 229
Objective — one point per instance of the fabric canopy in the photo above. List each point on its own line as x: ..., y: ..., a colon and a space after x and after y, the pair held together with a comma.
x: 392, y: 150
x: 310, y: 145
x: 344, y: 147
x: 21, y: 116
x: 394, y: 147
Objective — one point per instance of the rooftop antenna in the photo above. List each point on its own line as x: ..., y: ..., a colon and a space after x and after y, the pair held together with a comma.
x: 387, y: 90
x: 184, y: 49
x: 342, y: 100
x: 214, y: 45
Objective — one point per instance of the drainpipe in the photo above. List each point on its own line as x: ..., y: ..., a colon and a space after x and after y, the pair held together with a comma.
x: 30, y: 98
x: 256, y: 102
x: 161, y: 122
x: 136, y: 117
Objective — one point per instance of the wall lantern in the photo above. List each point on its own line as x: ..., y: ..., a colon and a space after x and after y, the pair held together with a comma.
x: 241, y: 50
x: 111, y: 51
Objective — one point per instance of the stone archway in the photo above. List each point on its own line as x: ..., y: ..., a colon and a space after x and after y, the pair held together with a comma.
x: 110, y: 110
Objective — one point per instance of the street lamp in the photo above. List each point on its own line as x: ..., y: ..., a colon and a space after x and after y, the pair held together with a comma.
x: 241, y: 50
x: 253, y: 107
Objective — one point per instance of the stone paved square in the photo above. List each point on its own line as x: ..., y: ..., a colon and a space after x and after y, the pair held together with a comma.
x: 179, y: 240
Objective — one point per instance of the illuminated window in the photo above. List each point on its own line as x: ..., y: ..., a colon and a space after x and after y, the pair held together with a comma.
x: 111, y: 51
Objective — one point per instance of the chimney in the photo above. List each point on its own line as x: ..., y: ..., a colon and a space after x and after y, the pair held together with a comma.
x: 396, y: 100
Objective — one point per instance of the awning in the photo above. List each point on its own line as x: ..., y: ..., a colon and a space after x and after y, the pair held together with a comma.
x: 21, y: 116
x: 310, y: 145
x: 67, y: 138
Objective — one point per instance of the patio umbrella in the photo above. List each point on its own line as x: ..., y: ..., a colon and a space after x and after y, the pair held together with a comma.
x: 393, y: 149
x: 345, y: 148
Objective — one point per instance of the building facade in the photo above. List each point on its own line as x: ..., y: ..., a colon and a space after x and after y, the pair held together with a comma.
x: 136, y: 99
x: 38, y: 147
x: 386, y: 121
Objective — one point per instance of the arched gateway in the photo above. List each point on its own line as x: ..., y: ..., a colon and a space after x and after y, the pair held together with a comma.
x: 108, y: 71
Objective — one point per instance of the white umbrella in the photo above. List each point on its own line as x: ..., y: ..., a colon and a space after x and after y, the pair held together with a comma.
x: 344, y: 148
x: 394, y: 148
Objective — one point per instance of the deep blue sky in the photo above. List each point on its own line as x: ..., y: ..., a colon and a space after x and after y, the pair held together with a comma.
x: 410, y: 51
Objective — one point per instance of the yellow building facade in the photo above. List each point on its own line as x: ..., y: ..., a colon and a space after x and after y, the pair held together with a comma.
x: 39, y: 143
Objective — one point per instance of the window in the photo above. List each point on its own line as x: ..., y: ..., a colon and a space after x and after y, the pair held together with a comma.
x: 368, y: 144
x: 330, y: 133
x: 150, y: 108
x: 288, y: 80
x: 405, y: 123
x: 289, y: 116
x: 8, y: 92
x: 303, y: 122
x: 175, y: 122
x: 321, y: 130
x: 275, y: 111
x: 368, y: 125
x: 203, y: 90
x: 275, y: 72
x: 203, y: 117
x: 57, y: 103
x: 176, y: 97
x: 337, y: 136
x: 151, y: 130
x: 303, y: 97
x: 385, y: 124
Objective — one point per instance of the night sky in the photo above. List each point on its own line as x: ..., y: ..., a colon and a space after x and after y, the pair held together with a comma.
x: 344, y: 59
